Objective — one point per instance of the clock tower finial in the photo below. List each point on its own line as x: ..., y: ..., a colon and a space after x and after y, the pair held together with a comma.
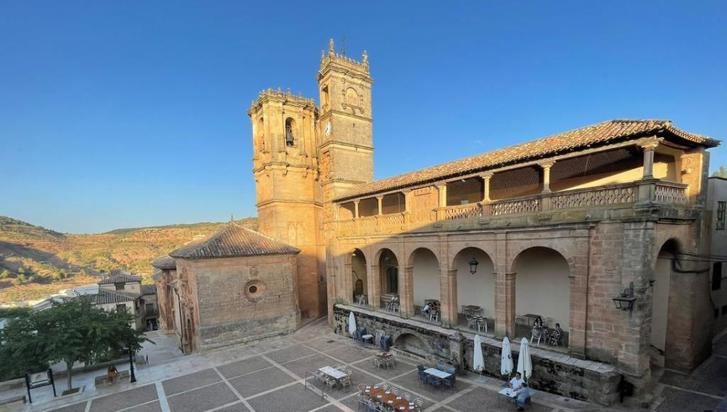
x: 331, y: 49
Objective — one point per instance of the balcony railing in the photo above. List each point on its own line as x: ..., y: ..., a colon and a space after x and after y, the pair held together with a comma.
x: 647, y: 192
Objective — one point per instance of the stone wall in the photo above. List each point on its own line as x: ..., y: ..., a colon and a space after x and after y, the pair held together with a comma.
x: 552, y: 371
x: 244, y: 298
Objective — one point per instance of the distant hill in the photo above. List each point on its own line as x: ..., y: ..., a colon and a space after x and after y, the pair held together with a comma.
x: 36, y: 262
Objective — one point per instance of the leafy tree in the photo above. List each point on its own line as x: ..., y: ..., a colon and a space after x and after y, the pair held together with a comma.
x: 721, y: 172
x: 69, y: 332
x: 4, y: 274
x: 21, y: 271
x: 21, y: 278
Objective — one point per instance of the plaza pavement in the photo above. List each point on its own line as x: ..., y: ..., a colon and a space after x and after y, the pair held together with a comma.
x: 271, y: 376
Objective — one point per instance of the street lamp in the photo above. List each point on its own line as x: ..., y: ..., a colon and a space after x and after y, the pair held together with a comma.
x: 625, y: 301
x: 473, y: 266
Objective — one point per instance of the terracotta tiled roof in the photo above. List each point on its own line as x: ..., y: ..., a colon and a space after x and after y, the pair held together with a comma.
x: 233, y: 241
x: 165, y: 262
x: 107, y: 296
x: 612, y: 131
x: 120, y: 278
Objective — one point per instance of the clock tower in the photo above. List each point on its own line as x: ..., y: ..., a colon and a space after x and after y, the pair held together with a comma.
x: 346, y: 147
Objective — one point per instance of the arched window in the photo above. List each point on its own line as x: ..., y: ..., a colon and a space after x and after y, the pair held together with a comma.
x: 289, y: 132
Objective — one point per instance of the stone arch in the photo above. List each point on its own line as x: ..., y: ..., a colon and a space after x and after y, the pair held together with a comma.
x: 662, y: 312
x: 555, y: 246
x: 359, y: 275
x: 542, y: 286
x: 290, y: 132
x: 426, y: 273
x: 475, y: 289
x: 411, y: 343
x: 389, y: 272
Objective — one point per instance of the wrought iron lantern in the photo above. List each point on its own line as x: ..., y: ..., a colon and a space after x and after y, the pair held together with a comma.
x: 625, y: 301
x: 473, y: 266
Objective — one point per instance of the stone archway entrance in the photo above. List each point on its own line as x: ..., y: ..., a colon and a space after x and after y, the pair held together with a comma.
x: 408, y: 342
x: 359, y: 282
x: 660, y: 282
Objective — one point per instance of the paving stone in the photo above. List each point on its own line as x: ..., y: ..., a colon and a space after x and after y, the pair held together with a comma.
x: 330, y: 408
x: 290, y: 353
x: 147, y: 407
x: 411, y: 382
x: 124, y: 399
x: 76, y: 407
x: 191, y: 381
x: 292, y: 398
x: 400, y: 368
x: 202, y: 399
x: 237, y: 407
x: 243, y: 367
x: 681, y: 401
x: 260, y: 381
x: 306, y: 366
x: 481, y: 399
x: 350, y: 354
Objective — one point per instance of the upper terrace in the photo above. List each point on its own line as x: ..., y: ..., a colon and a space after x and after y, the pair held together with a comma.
x: 604, y: 168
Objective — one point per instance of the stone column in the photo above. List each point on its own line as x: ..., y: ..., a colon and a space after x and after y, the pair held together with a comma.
x: 373, y: 280
x: 578, y: 306
x: 347, y: 292
x: 406, y: 291
x: 379, y: 201
x: 448, y: 295
x: 407, y: 206
x: 546, y: 174
x: 505, y: 305
x: 486, y: 177
x: 355, y: 208
x: 649, y: 148
x: 442, y: 190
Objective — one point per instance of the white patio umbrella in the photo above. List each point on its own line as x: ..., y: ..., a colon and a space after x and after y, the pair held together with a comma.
x: 506, y: 358
x: 351, y: 324
x: 478, y: 361
x: 524, y: 363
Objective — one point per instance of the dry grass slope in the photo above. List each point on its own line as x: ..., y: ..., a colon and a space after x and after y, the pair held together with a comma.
x: 36, y: 262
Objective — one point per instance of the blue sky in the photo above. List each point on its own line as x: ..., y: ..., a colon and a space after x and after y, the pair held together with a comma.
x: 120, y: 114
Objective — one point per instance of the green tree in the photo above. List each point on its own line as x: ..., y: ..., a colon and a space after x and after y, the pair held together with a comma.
x: 70, y: 332
x: 721, y: 172
x: 21, y: 278
x: 4, y: 274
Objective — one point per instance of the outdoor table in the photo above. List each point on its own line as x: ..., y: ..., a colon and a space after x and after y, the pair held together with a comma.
x: 506, y: 393
x: 388, y: 398
x: 334, y: 373
x: 368, y: 338
x: 472, y: 310
x: 438, y: 373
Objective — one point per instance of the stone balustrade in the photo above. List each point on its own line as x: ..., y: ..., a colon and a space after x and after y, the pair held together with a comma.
x: 646, y: 192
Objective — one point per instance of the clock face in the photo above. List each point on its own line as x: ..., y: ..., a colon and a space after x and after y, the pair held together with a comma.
x: 327, y: 129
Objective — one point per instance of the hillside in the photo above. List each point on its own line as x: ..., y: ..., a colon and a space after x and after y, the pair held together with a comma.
x: 35, y: 261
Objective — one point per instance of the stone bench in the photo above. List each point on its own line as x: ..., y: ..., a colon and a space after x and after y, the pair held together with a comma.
x: 104, y: 379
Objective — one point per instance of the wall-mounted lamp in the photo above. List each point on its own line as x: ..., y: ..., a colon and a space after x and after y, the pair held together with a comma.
x: 473, y: 266
x: 625, y: 301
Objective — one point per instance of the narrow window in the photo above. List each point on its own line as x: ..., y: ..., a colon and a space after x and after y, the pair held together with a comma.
x: 717, y: 276
x: 720, y: 215
x: 289, y: 132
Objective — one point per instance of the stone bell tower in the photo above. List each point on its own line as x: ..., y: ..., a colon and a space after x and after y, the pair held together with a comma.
x: 346, y: 147
x: 285, y: 165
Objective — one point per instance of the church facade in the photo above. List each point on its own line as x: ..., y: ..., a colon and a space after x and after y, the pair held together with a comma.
x: 598, y: 233
x: 591, y: 229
